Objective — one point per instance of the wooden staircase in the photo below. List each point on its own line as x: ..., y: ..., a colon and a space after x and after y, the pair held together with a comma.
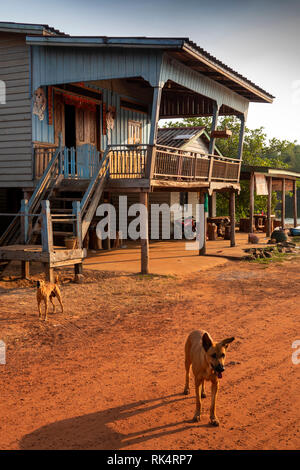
x: 73, y: 203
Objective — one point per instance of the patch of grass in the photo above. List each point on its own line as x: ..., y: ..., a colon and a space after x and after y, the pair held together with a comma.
x: 296, y: 240
x: 277, y: 257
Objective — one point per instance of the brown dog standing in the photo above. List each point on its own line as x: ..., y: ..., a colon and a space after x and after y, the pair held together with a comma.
x: 47, y: 291
x: 207, y: 360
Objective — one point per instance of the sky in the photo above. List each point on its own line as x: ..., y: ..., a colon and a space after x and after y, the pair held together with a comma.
x: 258, y: 39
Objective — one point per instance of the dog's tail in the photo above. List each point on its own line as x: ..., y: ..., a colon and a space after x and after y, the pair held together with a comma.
x: 56, y: 281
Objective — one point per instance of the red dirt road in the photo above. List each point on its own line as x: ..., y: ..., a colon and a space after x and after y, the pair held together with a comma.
x: 109, y: 372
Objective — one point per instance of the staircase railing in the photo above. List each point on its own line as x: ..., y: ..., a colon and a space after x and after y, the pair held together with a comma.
x: 42, y: 191
x: 93, y: 193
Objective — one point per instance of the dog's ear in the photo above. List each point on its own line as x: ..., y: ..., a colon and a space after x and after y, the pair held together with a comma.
x: 226, y: 341
x: 38, y: 283
x: 206, y: 341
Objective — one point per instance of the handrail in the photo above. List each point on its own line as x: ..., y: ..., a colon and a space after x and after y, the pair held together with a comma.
x: 12, y: 231
x: 93, y: 193
x: 44, y: 180
x: 183, y: 152
x: 92, y: 184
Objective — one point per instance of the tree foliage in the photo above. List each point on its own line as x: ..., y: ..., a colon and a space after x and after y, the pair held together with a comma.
x: 258, y: 150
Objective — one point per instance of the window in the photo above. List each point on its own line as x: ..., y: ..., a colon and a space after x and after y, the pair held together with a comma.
x: 134, y: 132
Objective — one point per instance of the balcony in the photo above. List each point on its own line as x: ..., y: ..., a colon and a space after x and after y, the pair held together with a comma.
x: 130, y: 162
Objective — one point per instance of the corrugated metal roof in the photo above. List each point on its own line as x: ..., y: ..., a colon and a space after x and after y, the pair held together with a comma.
x: 30, y: 27
x: 172, y: 136
x: 269, y: 170
x: 225, y: 67
x: 183, y: 45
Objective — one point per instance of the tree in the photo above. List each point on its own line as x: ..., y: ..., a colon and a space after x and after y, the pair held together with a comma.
x: 257, y: 151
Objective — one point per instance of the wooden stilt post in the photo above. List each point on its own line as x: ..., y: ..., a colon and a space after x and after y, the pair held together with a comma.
x: 144, y: 235
x: 269, y: 208
x: 295, y: 203
x: 24, y: 220
x: 283, y: 204
x: 78, y: 272
x: 232, y: 218
x: 213, y: 205
x: 251, y: 215
x: 77, y: 229
x: 25, y: 269
x: 49, y: 272
x: 47, y: 237
x: 203, y: 224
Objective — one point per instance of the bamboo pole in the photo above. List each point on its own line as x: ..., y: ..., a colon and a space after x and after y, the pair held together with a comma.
x: 283, y: 204
x: 251, y: 216
x: 295, y: 203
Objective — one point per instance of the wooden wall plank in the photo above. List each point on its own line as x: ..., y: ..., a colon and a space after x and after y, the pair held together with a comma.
x: 15, y: 115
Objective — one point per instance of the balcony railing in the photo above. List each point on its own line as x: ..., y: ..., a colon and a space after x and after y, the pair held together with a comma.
x: 42, y: 156
x: 179, y: 165
x: 127, y: 161
x: 79, y: 163
x: 131, y: 161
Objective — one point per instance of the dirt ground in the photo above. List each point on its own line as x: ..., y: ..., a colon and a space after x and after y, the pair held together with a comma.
x: 109, y: 372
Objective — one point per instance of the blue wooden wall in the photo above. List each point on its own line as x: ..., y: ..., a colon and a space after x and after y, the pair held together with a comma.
x: 43, y: 132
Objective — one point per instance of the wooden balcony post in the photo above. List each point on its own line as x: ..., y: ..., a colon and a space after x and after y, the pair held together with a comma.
x: 269, y: 208
x: 241, y: 138
x: 214, y: 125
x: 232, y: 217
x: 144, y: 241
x: 153, y: 130
x: 211, y: 168
x: 295, y: 203
x: 283, y: 204
x: 195, y: 166
x: 251, y: 215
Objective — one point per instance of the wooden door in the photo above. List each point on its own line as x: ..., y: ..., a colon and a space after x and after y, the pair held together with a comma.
x: 86, y: 127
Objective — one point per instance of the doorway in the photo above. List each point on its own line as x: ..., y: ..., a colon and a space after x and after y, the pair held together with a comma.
x: 70, y: 126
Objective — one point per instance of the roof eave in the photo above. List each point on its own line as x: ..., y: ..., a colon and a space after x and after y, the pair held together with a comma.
x: 79, y: 41
x: 202, y: 58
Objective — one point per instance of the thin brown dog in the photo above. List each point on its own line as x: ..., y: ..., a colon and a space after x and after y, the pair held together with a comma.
x: 207, y: 360
x: 47, y: 291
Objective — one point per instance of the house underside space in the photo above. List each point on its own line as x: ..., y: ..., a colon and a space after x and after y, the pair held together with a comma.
x: 94, y: 131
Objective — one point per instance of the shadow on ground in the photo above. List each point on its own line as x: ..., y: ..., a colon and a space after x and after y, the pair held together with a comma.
x: 95, y: 430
